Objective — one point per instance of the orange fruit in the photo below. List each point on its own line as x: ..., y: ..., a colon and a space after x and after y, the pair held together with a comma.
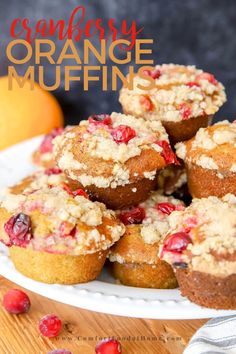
x: 25, y: 113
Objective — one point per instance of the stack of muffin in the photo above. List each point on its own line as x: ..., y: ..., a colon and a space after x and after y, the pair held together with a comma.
x: 114, y: 187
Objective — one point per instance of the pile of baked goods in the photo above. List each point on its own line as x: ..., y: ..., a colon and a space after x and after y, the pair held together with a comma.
x: 118, y: 188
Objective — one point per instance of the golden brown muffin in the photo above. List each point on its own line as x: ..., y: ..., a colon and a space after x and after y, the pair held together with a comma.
x: 201, y: 246
x: 134, y: 258
x: 184, y: 99
x: 114, y: 157
x: 56, y: 235
x: 210, y: 160
x: 43, y: 156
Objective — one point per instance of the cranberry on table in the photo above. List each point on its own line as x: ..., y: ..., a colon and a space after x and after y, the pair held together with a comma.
x: 177, y: 242
x: 50, y: 326
x: 132, y: 216
x: 108, y: 346
x: 18, y: 228
x: 15, y: 301
x: 123, y: 134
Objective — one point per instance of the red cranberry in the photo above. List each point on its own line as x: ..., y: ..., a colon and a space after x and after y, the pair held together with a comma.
x: 185, y: 111
x: 100, y: 118
x: 146, y: 102
x: 60, y: 351
x: 166, y: 208
x: 123, y: 134
x: 155, y: 74
x: 167, y: 153
x: 46, y: 145
x: 108, y: 346
x: 133, y: 216
x: 18, y: 228
x: 207, y: 76
x: 16, y: 301
x: 50, y: 326
x: 53, y: 171
x: 177, y: 242
x: 75, y: 193
x: 192, y: 84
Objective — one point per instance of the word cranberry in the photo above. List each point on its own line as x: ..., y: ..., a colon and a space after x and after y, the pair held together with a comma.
x: 108, y: 346
x: 185, y: 111
x: 53, y: 171
x: 60, y: 351
x: 167, y: 153
x: 177, y: 242
x: 50, y: 326
x: 18, y: 228
x: 123, y: 134
x: 16, y: 301
x: 166, y: 208
x: 133, y: 216
x: 207, y: 76
x: 146, y: 102
x: 155, y: 74
x: 192, y: 84
x: 46, y: 145
x: 100, y: 118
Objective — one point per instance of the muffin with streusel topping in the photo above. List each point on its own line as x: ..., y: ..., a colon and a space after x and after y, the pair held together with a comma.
x: 43, y: 156
x: 184, y: 99
x: 210, y: 159
x: 134, y: 258
x: 201, y: 246
x: 56, y: 236
x: 115, y: 157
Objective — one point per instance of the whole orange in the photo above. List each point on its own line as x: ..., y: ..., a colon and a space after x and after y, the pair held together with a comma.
x: 25, y: 113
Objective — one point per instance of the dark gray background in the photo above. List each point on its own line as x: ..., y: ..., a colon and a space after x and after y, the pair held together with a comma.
x: 200, y: 32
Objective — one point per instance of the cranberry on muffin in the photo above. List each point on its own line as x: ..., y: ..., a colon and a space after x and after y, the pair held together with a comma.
x: 114, y: 157
x: 184, y: 99
x: 43, y: 156
x: 55, y: 236
x: 210, y: 159
x: 134, y: 258
x: 201, y: 246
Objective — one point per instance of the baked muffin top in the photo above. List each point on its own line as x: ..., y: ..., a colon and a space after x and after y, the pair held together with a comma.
x: 113, y: 150
x: 146, y: 225
x: 54, y: 220
x: 203, y: 236
x: 213, y: 147
x: 180, y: 93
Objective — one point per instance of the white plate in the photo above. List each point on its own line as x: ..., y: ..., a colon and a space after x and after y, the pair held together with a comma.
x: 101, y: 295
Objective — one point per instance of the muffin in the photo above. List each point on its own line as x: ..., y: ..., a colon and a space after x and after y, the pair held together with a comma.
x: 210, y: 160
x: 114, y: 157
x: 184, y: 99
x: 57, y: 237
x: 201, y: 246
x: 134, y: 258
x: 43, y: 156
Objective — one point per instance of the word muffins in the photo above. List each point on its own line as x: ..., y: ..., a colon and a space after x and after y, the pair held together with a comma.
x: 210, y: 160
x: 115, y: 157
x: 184, y: 99
x: 134, y: 258
x: 56, y: 235
x: 201, y: 246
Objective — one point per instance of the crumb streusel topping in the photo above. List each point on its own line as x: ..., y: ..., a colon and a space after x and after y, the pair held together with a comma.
x: 213, y: 147
x: 181, y: 92
x: 210, y: 224
x: 115, y: 138
x: 62, y: 223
